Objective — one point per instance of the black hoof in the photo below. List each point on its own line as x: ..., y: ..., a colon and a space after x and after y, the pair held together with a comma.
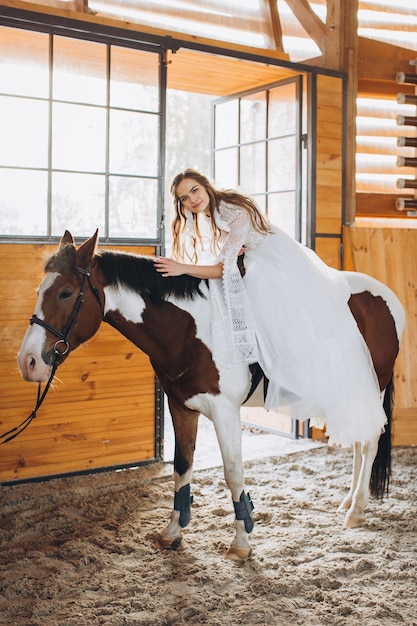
x: 175, y: 544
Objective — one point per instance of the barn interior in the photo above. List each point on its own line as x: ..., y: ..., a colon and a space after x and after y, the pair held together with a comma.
x: 338, y: 80
x: 309, y: 106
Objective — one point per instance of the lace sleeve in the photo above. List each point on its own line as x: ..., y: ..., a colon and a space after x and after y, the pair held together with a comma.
x: 239, y: 224
x: 230, y: 299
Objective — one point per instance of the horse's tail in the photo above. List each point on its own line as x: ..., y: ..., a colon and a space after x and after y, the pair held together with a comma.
x: 381, y: 469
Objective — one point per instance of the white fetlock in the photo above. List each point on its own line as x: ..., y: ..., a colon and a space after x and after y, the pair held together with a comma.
x: 171, y: 537
x: 240, y: 548
x: 346, y: 504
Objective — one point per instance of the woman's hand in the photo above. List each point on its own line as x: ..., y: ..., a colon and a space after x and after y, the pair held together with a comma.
x: 168, y: 267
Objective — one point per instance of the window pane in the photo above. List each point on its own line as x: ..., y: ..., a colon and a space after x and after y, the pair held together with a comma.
x: 23, y: 202
x: 134, y: 143
x: 281, y: 211
x: 282, y: 110
x: 134, y: 79
x: 226, y: 172
x: 24, y: 62
x: 77, y: 204
x: 252, y: 168
x: 79, y: 138
x: 79, y: 71
x: 226, y: 126
x: 282, y: 164
x: 133, y: 208
x: 260, y: 202
x: 23, y: 132
x: 253, y: 117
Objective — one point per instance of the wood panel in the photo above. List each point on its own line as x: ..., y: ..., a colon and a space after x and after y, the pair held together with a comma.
x: 390, y: 255
x: 329, y: 167
x: 380, y: 205
x: 187, y: 70
x: 218, y: 75
x: 101, y: 409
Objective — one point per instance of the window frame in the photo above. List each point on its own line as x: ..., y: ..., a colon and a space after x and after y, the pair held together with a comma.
x: 109, y: 39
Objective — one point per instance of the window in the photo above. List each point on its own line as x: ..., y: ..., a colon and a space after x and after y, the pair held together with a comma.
x: 80, y: 127
x: 256, y: 147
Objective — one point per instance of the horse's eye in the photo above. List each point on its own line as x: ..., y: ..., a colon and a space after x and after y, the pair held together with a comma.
x: 65, y: 295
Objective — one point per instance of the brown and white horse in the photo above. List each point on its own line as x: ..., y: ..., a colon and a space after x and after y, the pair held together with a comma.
x: 169, y: 319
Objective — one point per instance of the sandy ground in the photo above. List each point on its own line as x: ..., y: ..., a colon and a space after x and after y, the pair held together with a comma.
x: 79, y: 551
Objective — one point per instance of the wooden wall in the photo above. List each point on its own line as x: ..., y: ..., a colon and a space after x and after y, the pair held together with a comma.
x: 101, y: 411
x: 389, y: 253
x: 329, y: 169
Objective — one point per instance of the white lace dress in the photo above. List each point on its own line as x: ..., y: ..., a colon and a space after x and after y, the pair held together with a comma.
x: 290, y: 313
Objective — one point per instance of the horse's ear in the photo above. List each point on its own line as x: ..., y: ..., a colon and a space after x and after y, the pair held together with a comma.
x: 86, y: 251
x: 66, y: 238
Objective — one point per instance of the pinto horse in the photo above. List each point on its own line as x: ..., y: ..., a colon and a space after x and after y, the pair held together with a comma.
x: 169, y: 319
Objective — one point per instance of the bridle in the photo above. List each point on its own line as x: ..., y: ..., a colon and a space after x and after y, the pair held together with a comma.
x: 61, y: 348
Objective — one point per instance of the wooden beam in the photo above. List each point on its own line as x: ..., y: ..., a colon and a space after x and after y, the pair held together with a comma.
x: 341, y: 53
x: 382, y: 88
x: 379, y: 205
x: 381, y: 61
x: 276, y: 24
x: 311, y: 23
x: 141, y: 28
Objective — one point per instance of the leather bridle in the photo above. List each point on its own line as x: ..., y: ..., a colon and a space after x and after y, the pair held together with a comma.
x: 63, y: 338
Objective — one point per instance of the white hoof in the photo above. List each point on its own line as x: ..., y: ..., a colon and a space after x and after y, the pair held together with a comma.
x: 354, y: 521
x: 167, y: 543
x: 238, y: 553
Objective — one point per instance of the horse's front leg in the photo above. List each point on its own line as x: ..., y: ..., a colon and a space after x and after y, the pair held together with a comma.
x: 185, y: 424
x: 229, y: 435
x: 358, y: 497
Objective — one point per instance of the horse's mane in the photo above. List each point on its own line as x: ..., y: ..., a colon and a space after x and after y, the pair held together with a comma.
x: 134, y: 271
x: 138, y: 272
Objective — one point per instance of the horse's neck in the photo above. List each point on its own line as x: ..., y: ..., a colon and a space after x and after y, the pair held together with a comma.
x: 165, y: 331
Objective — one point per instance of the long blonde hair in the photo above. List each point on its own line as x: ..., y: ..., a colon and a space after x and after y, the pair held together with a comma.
x: 179, y: 223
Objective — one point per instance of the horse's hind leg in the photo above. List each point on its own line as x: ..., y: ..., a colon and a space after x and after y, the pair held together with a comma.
x: 371, y: 468
x: 358, y: 497
x: 357, y: 461
x: 185, y: 424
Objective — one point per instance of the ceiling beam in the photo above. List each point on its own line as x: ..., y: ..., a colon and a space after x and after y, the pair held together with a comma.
x: 311, y: 23
x: 275, y: 23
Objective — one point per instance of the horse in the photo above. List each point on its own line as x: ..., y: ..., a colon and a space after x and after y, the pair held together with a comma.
x: 169, y: 319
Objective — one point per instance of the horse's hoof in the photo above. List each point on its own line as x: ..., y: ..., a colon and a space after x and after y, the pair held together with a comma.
x: 167, y: 543
x: 236, y: 553
x: 354, y: 521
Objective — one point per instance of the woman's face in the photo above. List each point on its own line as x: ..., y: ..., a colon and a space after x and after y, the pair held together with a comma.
x: 193, y: 196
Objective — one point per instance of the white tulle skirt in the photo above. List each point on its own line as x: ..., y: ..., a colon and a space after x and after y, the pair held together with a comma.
x: 310, y: 347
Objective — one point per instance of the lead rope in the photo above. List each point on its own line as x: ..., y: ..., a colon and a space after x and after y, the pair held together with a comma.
x: 14, y: 432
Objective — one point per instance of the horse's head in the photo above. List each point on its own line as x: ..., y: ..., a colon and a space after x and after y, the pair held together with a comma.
x: 68, y: 311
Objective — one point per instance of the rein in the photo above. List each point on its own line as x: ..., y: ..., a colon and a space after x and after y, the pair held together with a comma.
x: 63, y: 337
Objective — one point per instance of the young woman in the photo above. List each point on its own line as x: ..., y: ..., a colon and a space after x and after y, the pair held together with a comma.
x: 289, y: 311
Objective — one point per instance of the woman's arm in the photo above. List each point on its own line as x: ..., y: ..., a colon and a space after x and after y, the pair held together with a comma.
x: 169, y: 267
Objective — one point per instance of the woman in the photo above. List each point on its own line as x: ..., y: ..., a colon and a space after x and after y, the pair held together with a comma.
x: 289, y: 312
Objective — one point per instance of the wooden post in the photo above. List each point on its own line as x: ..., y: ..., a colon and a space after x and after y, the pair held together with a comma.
x: 341, y: 53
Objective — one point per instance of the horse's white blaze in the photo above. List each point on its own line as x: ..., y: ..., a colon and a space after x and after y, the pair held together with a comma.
x: 29, y: 359
x: 126, y: 301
